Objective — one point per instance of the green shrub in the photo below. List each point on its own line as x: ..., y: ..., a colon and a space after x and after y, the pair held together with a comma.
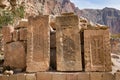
x: 8, y: 17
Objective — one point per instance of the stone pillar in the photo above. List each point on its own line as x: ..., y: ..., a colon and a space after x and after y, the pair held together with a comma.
x: 68, y: 43
x: 97, y: 50
x: 38, y: 44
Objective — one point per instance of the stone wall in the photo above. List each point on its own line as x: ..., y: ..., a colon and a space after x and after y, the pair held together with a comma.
x: 76, y: 50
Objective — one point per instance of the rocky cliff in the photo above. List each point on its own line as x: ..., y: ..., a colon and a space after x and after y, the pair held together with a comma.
x: 106, y: 16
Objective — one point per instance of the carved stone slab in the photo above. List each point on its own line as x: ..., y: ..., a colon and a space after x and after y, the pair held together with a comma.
x: 15, y: 55
x: 97, y: 50
x: 38, y: 44
x: 68, y: 43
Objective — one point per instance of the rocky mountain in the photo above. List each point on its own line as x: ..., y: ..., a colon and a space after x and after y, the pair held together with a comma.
x: 106, y: 16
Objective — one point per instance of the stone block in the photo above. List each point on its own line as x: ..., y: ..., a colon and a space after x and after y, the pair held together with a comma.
x: 72, y: 76
x: 21, y: 76
x: 38, y: 44
x: 7, y: 36
x: 96, y: 76
x: 53, y: 40
x: 97, y: 50
x: 83, y: 76
x: 101, y: 76
x: 68, y: 50
x: 108, y: 76
x: 59, y: 76
x: 31, y: 77
x: 23, y: 34
x: 12, y: 77
x: 15, y: 35
x: 15, y: 55
x: 4, y: 77
x: 44, y: 76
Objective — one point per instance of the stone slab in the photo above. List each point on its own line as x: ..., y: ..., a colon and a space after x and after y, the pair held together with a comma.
x: 15, y: 35
x: 38, y: 44
x: 59, y: 76
x: 83, y: 76
x: 44, y: 75
x: 15, y: 55
x: 21, y: 76
x: 7, y: 36
x: 68, y: 43
x: 97, y: 50
x: 72, y: 76
x: 30, y: 76
x: 23, y: 34
x: 12, y: 77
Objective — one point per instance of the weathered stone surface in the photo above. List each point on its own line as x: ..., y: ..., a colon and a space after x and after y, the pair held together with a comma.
x: 12, y: 77
x: 72, y: 76
x: 44, y: 76
x: 23, y: 34
x: 101, y: 76
x: 21, y: 76
x: 4, y: 77
x: 68, y: 43
x: 15, y: 35
x: 96, y: 75
x: 7, y: 36
x: 31, y: 77
x: 108, y: 76
x: 83, y: 76
x: 59, y: 76
x: 97, y: 50
x: 15, y: 55
x: 38, y: 44
x: 52, y: 40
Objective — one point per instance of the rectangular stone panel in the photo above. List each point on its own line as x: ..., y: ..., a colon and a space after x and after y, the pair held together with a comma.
x: 97, y: 50
x: 15, y: 35
x: 38, y: 44
x: 22, y: 24
x: 15, y: 55
x: 44, y: 75
x: 68, y: 50
x: 12, y: 77
x: 96, y: 76
x: 59, y: 76
x: 72, y: 76
x: 30, y: 77
x: 21, y: 76
x: 83, y: 76
x: 7, y: 34
x: 23, y: 34
x: 108, y: 76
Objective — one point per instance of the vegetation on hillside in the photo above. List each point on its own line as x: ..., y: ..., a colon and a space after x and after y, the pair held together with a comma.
x: 9, y: 16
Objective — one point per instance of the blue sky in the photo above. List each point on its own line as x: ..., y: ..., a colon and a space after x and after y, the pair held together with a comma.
x: 97, y: 4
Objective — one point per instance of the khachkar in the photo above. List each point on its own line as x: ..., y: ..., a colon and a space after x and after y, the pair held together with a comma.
x: 97, y: 50
x: 38, y: 44
x: 68, y: 43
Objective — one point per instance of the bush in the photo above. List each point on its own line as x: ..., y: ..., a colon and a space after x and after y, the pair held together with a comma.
x: 8, y: 17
